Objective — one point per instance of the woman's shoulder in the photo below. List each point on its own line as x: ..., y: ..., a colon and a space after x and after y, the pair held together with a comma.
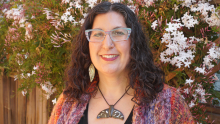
x: 56, y: 110
x: 171, y: 99
x: 172, y: 96
x: 65, y: 106
x: 169, y: 92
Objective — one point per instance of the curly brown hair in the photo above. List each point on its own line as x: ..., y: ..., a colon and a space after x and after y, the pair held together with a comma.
x: 145, y: 78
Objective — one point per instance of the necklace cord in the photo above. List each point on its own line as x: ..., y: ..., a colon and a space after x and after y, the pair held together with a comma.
x: 118, y: 100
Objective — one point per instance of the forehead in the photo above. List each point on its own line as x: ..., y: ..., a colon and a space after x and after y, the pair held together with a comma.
x: 109, y: 21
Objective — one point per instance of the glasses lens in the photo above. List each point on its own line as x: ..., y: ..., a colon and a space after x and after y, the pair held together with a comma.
x: 96, y: 36
x: 119, y: 34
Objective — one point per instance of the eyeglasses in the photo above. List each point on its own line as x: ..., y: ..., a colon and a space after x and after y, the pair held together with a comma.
x: 98, y: 35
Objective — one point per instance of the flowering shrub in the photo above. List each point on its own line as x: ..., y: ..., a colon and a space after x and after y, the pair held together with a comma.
x: 36, y: 43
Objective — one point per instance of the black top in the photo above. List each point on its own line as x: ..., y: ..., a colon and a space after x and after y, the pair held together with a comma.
x: 84, y: 119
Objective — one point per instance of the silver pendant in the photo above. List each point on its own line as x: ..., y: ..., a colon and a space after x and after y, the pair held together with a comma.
x: 110, y: 113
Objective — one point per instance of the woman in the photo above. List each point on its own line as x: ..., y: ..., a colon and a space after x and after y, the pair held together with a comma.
x: 122, y: 85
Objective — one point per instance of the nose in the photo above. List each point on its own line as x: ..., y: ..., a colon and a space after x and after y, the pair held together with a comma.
x: 107, y: 43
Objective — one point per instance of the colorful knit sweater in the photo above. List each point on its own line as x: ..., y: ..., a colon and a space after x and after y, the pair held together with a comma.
x: 167, y: 108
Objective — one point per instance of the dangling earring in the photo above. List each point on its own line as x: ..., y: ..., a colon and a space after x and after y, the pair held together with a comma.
x: 91, y: 72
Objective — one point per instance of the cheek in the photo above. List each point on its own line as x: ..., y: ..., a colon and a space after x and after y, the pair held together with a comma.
x: 93, y: 50
x: 90, y: 49
x: 128, y: 53
x: 126, y: 49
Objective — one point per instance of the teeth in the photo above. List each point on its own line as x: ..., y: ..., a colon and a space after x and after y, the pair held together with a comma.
x: 109, y: 56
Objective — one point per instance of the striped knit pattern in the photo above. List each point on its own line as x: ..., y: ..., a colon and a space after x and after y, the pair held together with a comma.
x: 167, y: 108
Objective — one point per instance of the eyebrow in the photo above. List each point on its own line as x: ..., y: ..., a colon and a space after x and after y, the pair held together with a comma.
x: 113, y: 28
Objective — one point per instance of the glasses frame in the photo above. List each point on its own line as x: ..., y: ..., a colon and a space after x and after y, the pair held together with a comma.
x: 106, y: 32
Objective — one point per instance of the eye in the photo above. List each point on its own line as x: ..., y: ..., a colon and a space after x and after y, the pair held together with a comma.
x: 97, y: 34
x: 118, y: 33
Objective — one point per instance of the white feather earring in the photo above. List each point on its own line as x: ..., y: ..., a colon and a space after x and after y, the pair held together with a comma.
x: 91, y: 72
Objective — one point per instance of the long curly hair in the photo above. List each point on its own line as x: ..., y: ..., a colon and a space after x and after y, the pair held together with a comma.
x: 145, y: 78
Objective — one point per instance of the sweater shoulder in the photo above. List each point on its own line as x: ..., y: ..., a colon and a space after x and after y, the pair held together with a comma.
x: 167, y: 92
x: 175, y: 107
x: 56, y: 110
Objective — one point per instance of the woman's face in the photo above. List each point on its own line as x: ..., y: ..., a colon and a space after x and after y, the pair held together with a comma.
x: 110, y: 57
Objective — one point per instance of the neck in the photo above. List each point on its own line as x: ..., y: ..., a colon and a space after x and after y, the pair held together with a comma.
x: 113, y: 87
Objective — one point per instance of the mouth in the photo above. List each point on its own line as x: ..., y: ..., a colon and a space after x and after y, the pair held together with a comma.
x: 109, y: 57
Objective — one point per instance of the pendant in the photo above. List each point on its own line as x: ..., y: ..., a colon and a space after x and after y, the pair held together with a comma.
x: 110, y: 113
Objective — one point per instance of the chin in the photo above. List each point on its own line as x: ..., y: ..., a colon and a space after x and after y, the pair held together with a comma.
x: 109, y: 70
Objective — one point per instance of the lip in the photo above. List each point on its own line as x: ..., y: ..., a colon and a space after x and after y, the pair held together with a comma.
x: 109, y: 59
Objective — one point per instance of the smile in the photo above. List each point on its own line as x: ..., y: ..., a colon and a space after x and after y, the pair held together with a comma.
x: 109, y: 57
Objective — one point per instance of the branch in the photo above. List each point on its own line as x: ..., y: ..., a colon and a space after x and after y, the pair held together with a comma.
x: 214, y: 70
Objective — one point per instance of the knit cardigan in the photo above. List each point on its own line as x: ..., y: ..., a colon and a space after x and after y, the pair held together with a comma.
x: 167, y: 108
